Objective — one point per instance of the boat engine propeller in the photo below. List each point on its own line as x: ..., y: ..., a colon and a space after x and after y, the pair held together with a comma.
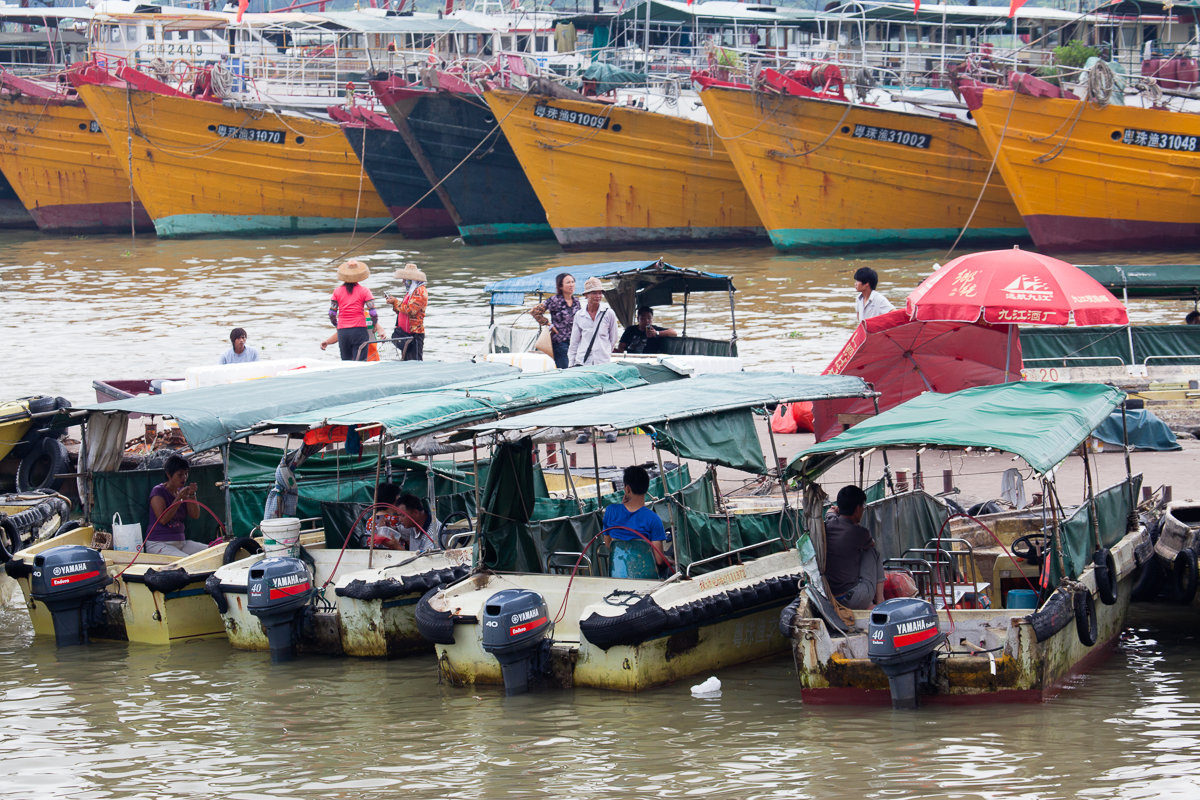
x: 515, y: 631
x: 278, y: 592
x: 70, y: 581
x: 904, y: 638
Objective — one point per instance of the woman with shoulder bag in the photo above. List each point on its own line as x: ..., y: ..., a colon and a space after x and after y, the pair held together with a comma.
x: 562, y: 308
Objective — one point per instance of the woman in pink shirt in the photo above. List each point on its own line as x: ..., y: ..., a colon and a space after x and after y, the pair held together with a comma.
x: 347, y: 307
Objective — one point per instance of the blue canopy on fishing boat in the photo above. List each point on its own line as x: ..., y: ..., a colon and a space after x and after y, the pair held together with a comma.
x: 638, y: 276
x: 212, y: 415
x: 707, y: 418
x: 1041, y: 422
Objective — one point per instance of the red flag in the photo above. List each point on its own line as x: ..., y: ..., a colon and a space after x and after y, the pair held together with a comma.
x: 1013, y: 6
x: 690, y: 2
x: 916, y: 6
x: 244, y: 4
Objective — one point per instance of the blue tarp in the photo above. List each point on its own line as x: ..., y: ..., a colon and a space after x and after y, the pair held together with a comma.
x: 1146, y: 431
x: 512, y: 291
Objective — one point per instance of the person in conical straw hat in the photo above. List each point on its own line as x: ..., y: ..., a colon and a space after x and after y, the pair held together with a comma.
x: 352, y: 309
x: 409, y: 336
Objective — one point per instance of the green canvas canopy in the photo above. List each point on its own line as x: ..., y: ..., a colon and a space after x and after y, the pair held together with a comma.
x: 1041, y: 422
x: 418, y: 413
x: 706, y: 417
x: 1153, y: 280
x: 212, y: 415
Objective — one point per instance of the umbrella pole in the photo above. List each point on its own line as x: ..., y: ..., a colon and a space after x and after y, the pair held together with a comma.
x: 1008, y: 352
x: 1129, y: 333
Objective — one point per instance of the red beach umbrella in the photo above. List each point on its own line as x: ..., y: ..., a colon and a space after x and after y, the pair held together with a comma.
x: 901, y: 358
x: 1014, y: 286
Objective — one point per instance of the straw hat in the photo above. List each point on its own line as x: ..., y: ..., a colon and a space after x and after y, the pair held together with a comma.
x: 409, y: 272
x: 592, y: 284
x: 353, y: 271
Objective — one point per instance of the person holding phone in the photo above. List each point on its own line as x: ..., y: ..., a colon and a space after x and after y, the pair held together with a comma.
x: 170, y: 508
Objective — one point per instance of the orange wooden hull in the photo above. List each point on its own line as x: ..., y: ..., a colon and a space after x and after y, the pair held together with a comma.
x: 62, y: 169
x: 203, y: 168
x: 618, y: 175
x: 1097, y: 178
x: 820, y: 179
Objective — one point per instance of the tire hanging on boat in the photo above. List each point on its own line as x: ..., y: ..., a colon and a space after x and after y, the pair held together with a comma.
x: 1085, y: 618
x: 1104, y: 569
x: 52, y: 454
x: 10, y: 539
x: 249, y: 544
x: 1184, y: 577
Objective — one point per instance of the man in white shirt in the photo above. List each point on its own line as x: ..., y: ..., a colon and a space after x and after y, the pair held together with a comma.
x: 869, y: 302
x: 594, y: 330
x: 239, y: 353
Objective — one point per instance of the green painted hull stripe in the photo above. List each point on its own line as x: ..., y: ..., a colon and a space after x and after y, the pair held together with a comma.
x: 204, y: 224
x: 788, y: 238
x: 505, y: 232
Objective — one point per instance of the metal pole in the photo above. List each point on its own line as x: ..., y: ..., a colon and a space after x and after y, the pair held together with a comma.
x: 1128, y: 467
x: 478, y: 509
x: 686, y: 294
x: 662, y: 476
x: 733, y: 323
x: 887, y: 469
x: 225, y: 480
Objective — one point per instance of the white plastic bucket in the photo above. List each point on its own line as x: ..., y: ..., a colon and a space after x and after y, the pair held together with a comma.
x: 281, y: 537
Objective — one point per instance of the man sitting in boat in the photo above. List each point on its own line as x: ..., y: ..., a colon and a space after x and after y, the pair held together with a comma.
x: 634, y: 532
x: 645, y: 337
x: 853, y: 566
x: 409, y: 527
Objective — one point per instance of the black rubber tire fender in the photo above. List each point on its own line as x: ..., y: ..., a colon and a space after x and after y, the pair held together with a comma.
x: 251, y: 545
x: 67, y: 526
x: 212, y: 585
x: 1184, y: 577
x: 1104, y: 569
x: 40, y: 404
x: 10, y: 540
x: 436, y: 626
x: 787, y: 618
x: 1053, y: 615
x: 48, y: 450
x: 1086, y: 625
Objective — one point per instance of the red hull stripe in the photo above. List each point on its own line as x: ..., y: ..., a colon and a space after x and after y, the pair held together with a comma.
x: 913, y: 638
x: 288, y: 591
x: 79, y: 576
x: 526, y: 626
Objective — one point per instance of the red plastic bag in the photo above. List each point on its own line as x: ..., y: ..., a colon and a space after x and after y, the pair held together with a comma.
x: 781, y: 420
x: 802, y: 414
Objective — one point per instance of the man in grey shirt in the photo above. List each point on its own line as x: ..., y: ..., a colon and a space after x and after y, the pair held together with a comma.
x: 239, y: 353
x: 594, y: 330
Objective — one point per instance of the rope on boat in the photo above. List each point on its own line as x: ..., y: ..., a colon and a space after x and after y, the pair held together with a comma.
x: 987, y: 179
x: 346, y: 253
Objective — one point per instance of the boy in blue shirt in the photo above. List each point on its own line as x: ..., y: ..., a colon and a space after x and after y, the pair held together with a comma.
x: 632, y: 555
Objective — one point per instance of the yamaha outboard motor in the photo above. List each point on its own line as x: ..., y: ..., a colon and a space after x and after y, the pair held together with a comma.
x: 277, y: 593
x: 904, y: 641
x: 515, y: 626
x: 70, y: 581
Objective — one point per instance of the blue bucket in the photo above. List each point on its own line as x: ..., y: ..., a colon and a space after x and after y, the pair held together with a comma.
x: 1021, y: 598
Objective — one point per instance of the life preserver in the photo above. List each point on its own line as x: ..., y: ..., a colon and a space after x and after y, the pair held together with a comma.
x: 1183, y: 577
x: 1104, y: 569
x: 1085, y: 618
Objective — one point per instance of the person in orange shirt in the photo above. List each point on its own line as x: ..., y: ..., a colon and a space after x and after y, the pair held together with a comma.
x: 409, y: 336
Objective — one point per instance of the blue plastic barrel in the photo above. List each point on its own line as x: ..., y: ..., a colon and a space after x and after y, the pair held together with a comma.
x: 1021, y: 598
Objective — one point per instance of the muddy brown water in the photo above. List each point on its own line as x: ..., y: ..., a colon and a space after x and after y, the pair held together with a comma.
x: 199, y: 720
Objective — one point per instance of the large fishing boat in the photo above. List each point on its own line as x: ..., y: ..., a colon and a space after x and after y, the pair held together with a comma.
x: 416, y: 209
x: 609, y: 175
x: 455, y: 139
x: 994, y: 606
x: 203, y: 167
x: 57, y: 160
x: 1088, y: 173
x: 824, y: 171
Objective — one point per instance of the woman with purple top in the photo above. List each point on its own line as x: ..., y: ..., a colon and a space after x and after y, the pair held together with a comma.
x: 562, y: 307
x: 166, y: 535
